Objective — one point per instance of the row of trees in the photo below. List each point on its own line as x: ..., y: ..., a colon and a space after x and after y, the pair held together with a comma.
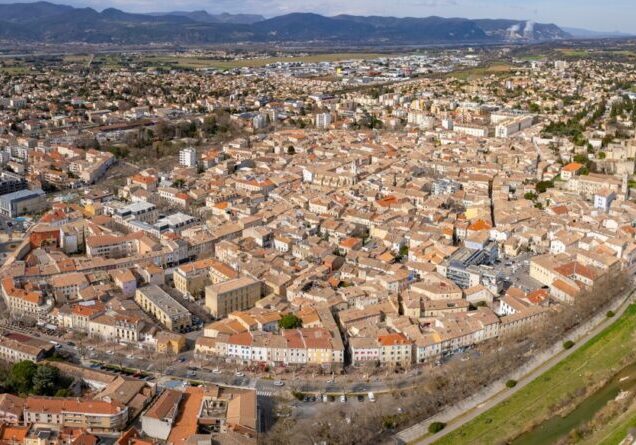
x: 445, y: 385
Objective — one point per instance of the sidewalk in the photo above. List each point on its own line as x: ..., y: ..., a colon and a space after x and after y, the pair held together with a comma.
x: 465, y: 411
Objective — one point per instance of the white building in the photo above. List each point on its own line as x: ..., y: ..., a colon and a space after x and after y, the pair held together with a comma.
x: 188, y: 157
x: 323, y: 120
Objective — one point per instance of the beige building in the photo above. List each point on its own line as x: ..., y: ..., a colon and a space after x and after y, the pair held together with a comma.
x: 94, y: 415
x: 169, y: 312
x: 234, y: 295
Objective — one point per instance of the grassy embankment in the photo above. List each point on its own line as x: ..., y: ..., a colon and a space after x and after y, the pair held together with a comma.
x: 559, y: 389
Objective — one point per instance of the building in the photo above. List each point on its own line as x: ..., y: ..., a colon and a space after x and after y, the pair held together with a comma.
x: 188, y: 157
x: 93, y: 415
x: 233, y: 295
x: 170, y: 342
x: 170, y: 313
x: 11, y: 408
x: 11, y: 182
x: 19, y: 347
x: 323, y: 120
x: 22, y: 202
x: 158, y: 420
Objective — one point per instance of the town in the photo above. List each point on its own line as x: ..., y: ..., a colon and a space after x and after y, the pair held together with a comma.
x: 180, y: 244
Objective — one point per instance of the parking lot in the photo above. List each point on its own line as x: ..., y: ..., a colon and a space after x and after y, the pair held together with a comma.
x: 516, y: 272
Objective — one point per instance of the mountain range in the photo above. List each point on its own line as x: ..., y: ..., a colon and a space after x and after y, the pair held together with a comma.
x: 53, y: 23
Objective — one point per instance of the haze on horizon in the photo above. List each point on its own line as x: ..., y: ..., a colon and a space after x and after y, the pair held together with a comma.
x: 607, y: 16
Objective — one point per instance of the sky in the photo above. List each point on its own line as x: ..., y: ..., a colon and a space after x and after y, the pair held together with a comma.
x: 599, y: 15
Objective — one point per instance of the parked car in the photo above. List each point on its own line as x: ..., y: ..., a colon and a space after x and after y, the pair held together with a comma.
x: 279, y: 383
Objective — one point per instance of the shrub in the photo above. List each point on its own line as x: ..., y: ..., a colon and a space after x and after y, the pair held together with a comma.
x: 610, y: 314
x: 436, y: 427
x: 511, y: 383
x: 568, y: 344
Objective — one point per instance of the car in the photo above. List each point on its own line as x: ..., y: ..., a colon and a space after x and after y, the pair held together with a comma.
x: 360, y: 398
x: 182, y: 359
x: 109, y: 352
x: 279, y: 383
x: 191, y: 374
x: 325, y: 398
x: 216, y: 371
x: 70, y: 343
x: 91, y: 348
x: 239, y: 374
x: 371, y: 397
x: 343, y: 398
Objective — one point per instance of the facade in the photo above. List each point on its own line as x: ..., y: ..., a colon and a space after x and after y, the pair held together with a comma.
x: 170, y: 313
x: 323, y: 120
x: 22, y: 202
x: 158, y: 420
x: 188, y: 157
x: 233, y: 295
x: 93, y: 415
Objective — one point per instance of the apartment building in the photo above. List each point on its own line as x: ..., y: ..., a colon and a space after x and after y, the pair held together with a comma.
x: 23, y: 301
x: 233, y: 295
x: 94, y: 415
x: 170, y: 313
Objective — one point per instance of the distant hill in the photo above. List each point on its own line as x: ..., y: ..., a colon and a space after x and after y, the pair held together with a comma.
x: 205, y: 17
x: 48, y: 22
x: 579, y: 33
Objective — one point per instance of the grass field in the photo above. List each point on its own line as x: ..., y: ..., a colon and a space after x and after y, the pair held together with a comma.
x: 597, y: 361
x: 571, y: 52
x: 13, y: 66
x: 472, y: 73
x: 77, y: 58
x: 204, y: 62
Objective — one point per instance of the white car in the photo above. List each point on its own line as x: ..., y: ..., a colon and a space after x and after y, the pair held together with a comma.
x: 239, y: 374
x: 279, y: 383
x: 343, y: 398
x: 216, y: 371
x: 109, y: 352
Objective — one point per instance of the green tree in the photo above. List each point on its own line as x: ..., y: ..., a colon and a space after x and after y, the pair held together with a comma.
x: 21, y: 376
x: 290, y: 321
x: 544, y: 185
x: 45, y: 380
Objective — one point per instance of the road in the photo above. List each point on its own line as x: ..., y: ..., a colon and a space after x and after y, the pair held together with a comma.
x: 456, y: 416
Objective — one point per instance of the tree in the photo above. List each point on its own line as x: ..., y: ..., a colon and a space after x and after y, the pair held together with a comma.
x: 436, y: 427
x: 45, y: 380
x: 21, y: 376
x: 209, y: 126
x: 544, y: 185
x: 290, y: 321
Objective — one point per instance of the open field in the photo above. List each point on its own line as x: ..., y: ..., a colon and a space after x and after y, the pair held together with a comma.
x: 205, y: 62
x: 473, y: 73
x: 571, y: 52
x: 13, y: 66
x: 597, y: 361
